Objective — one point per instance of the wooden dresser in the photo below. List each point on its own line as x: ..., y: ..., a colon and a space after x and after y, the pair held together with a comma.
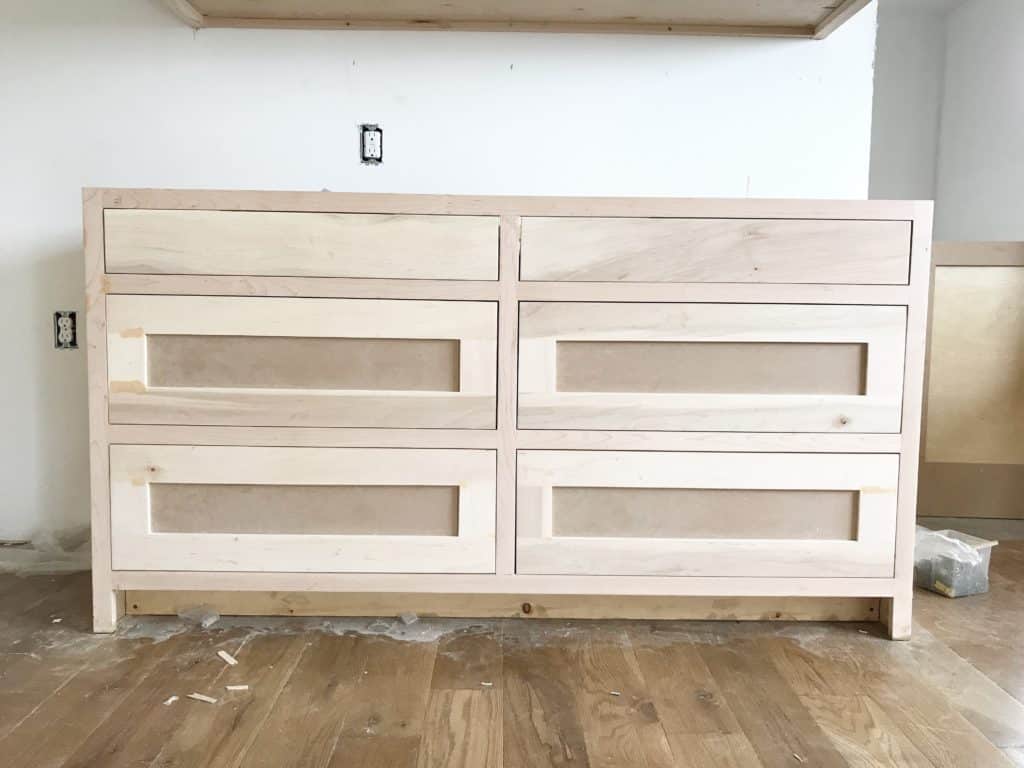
x: 515, y: 397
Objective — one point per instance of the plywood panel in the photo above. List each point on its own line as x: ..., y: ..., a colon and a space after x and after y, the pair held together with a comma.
x: 976, y: 375
x: 703, y: 513
x: 750, y: 367
x: 301, y: 244
x: 289, y: 362
x: 716, y: 250
x: 542, y: 476
x: 394, y: 510
x: 670, y: 335
x: 136, y: 470
x: 971, y: 489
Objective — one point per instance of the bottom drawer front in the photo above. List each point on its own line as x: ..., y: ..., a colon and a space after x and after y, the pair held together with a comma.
x: 706, y: 514
x: 214, y: 508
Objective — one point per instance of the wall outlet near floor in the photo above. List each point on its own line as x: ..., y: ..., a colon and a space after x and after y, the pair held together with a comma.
x: 65, y: 329
x: 371, y: 144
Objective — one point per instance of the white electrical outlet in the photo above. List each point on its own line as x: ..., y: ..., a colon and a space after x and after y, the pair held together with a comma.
x: 371, y: 144
x: 65, y: 329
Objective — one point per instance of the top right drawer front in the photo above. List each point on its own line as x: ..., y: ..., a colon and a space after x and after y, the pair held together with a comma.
x: 840, y: 251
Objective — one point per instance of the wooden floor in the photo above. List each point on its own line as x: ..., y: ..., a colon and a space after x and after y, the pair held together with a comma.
x: 514, y: 693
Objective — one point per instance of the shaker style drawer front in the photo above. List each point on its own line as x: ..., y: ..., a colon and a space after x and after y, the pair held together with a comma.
x: 216, y: 508
x: 706, y: 514
x: 710, y: 367
x: 193, y: 242
x: 716, y: 250
x: 257, y: 361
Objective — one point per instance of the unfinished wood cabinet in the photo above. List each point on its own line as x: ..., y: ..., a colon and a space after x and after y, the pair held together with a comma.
x: 514, y: 398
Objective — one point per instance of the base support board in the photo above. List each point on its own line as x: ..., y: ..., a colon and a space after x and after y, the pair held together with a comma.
x: 167, y: 602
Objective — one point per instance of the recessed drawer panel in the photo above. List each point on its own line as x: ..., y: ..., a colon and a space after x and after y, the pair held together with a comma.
x: 192, y: 242
x: 256, y: 361
x: 710, y: 367
x: 716, y: 250
x: 706, y: 514
x: 215, y: 508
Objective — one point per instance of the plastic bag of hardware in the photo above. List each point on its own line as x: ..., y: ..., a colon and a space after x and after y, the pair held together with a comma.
x: 951, y: 563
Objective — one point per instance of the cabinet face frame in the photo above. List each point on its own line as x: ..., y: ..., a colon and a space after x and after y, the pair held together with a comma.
x: 110, y: 586
x: 131, y: 319
x: 870, y: 555
x: 542, y: 325
x: 135, y: 546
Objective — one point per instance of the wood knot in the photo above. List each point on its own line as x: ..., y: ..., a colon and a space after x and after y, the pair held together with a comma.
x: 527, y: 608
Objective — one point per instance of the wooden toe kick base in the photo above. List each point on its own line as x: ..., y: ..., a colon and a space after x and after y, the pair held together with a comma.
x: 170, y: 603
x: 332, y: 404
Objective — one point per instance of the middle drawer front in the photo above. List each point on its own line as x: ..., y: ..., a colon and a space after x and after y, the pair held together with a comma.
x: 258, y: 361
x: 331, y: 510
x: 710, y: 367
x: 641, y: 513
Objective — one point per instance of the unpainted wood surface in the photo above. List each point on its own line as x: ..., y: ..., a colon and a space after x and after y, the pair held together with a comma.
x: 516, y: 694
x: 976, y: 370
x: 788, y: 18
x: 655, y: 388
x: 732, y: 550
x: 716, y: 250
x: 270, y: 546
x: 218, y: 382
x: 301, y: 244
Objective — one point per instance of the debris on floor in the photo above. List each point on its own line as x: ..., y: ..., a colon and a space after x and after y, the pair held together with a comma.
x: 236, y: 687
x: 170, y: 700
x: 486, y: 684
x: 202, y: 697
x: 58, y: 620
x: 408, y: 618
x: 201, y: 615
x: 615, y: 693
x: 228, y: 658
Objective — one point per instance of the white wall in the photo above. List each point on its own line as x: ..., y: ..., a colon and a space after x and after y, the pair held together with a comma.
x: 909, y: 78
x: 118, y: 93
x: 981, y: 158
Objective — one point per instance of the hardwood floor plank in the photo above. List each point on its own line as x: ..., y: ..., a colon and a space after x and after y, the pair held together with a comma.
x: 541, y: 723
x: 37, y: 657
x: 306, y: 720
x: 141, y: 725
x: 993, y: 711
x: 713, y: 750
x: 220, y: 738
x: 773, y: 718
x: 620, y: 722
x: 376, y: 752
x: 462, y: 729
x: 863, y: 733
x: 468, y: 659
x: 390, y: 694
x: 687, y: 698
x: 941, y: 733
x: 108, y: 675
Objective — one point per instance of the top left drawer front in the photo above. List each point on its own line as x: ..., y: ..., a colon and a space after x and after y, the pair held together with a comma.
x: 301, y: 244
